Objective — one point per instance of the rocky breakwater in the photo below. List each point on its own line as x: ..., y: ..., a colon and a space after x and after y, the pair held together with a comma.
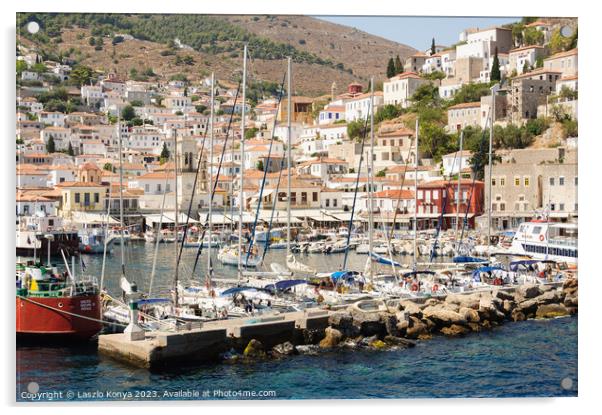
x: 377, y: 325
x: 404, y: 321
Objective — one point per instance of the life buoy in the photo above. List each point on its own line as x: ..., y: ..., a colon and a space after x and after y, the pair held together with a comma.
x: 414, y: 287
x: 435, y: 288
x: 541, y: 237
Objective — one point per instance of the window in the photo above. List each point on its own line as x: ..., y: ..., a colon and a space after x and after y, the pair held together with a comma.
x: 77, y: 198
x: 553, y: 206
x: 147, y: 188
x: 314, y: 197
x: 561, y: 181
x: 334, y: 202
x: 435, y: 194
x: 96, y: 198
x: 517, y: 181
x: 327, y: 202
x: 561, y: 207
x: 86, y: 199
x: 493, y: 182
x: 502, y: 181
x: 502, y: 206
x: 551, y: 181
x: 304, y: 197
x: 526, y: 181
x: 159, y: 187
x: 576, y: 181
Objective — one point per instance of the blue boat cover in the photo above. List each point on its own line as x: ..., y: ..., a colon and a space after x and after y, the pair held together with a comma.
x: 468, y: 259
x: 285, y: 284
x: 486, y: 269
x: 382, y: 260
x: 411, y: 273
x: 235, y: 290
x: 525, y: 262
x: 153, y: 301
x: 343, y: 275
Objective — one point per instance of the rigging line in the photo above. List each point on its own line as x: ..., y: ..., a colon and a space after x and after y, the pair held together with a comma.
x: 219, y: 166
x: 434, y: 247
x: 403, y: 179
x: 474, y: 178
x: 196, y: 176
x: 357, y: 180
x: 265, y: 171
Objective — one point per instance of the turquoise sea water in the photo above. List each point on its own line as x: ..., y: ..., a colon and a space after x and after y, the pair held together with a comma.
x: 532, y: 358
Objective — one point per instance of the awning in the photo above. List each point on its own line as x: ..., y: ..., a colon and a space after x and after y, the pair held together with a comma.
x: 266, y: 192
x: 559, y: 214
x: 280, y: 216
x: 93, y: 218
x: 461, y: 215
x: 169, y: 217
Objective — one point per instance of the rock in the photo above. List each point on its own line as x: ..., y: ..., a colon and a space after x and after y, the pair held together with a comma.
x: 503, y: 295
x: 331, y: 339
x: 390, y: 323
x: 464, y: 300
x: 570, y: 283
x: 367, y: 341
x: 398, y: 341
x: 340, y: 319
x: 455, y: 330
x: 546, y: 287
x: 310, y: 349
x: 469, y: 314
x: 551, y: 311
x: 528, y: 308
x: 571, y: 301
x: 486, y: 324
x: 254, y: 349
x: 416, y: 328
x: 411, y: 308
x: 443, y: 316
x: 528, y: 291
x: 432, y: 302
x: 508, y: 306
x: 430, y: 324
x: 284, y: 349
x: 425, y: 336
x: 368, y: 323
x: 548, y: 297
x: 476, y: 327
x: 518, y: 315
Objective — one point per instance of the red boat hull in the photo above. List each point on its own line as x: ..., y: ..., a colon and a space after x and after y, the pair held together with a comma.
x: 47, y: 318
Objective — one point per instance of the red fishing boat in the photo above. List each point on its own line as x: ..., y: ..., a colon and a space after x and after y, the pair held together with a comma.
x: 53, y: 306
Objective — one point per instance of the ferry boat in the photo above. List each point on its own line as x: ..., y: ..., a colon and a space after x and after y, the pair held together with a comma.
x: 55, y: 307
x: 34, y: 235
x: 541, y: 239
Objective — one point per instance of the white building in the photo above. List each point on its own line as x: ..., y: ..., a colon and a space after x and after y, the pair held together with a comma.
x: 358, y: 108
x: 399, y: 89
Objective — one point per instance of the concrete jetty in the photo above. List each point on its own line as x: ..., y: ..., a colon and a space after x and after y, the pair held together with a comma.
x: 161, y: 348
x: 393, y: 322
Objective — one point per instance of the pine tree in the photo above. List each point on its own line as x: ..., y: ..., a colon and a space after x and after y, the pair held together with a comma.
x: 433, y: 47
x: 70, y: 150
x: 495, y: 68
x: 390, y: 68
x: 50, y: 146
x: 398, y: 65
x: 526, y: 67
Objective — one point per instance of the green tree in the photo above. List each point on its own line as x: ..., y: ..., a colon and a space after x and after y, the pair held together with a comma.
x: 108, y: 167
x: 70, y: 150
x: 259, y: 165
x: 387, y: 112
x: 200, y: 108
x: 532, y: 36
x: 382, y: 173
x: 92, y: 41
x: 128, y: 113
x: 50, y: 146
x: 250, y: 133
x: 433, y: 47
x: 495, y: 68
x: 558, y: 43
x: 526, y: 67
x: 517, y: 33
x: 426, y: 95
x: 164, y: 154
x: 356, y: 129
x: 21, y: 66
x: 471, y: 93
x: 81, y: 75
x: 539, y: 62
x: 398, y: 65
x: 391, y: 68
x: 434, y: 141
x: 136, y: 103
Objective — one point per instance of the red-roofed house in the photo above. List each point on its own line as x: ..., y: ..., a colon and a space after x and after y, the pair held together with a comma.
x: 399, y: 89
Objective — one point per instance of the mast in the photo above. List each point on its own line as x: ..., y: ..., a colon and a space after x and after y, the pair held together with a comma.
x: 371, y: 179
x: 415, y: 193
x: 242, y: 161
x: 210, y: 218
x: 122, y: 244
x: 175, y: 160
x: 458, y: 188
x: 288, y: 165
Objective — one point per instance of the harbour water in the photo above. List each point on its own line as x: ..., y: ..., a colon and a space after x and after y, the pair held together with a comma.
x: 531, y: 358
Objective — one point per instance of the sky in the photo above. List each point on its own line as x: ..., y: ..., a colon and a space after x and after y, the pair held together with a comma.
x: 418, y: 32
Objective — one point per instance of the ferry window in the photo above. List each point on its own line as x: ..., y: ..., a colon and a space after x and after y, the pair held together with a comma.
x: 561, y: 181
x: 536, y: 230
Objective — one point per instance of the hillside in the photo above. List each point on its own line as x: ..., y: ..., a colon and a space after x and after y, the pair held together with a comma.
x: 322, y: 52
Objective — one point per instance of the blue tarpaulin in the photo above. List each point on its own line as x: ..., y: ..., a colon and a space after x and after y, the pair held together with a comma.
x: 283, y: 285
x: 382, y: 260
x: 235, y: 290
x: 468, y: 259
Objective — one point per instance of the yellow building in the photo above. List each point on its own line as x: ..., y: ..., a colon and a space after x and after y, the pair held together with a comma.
x: 81, y: 197
x: 301, y: 110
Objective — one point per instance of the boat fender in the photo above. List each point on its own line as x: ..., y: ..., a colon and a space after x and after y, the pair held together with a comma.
x: 414, y: 287
x: 541, y: 237
x: 435, y: 288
